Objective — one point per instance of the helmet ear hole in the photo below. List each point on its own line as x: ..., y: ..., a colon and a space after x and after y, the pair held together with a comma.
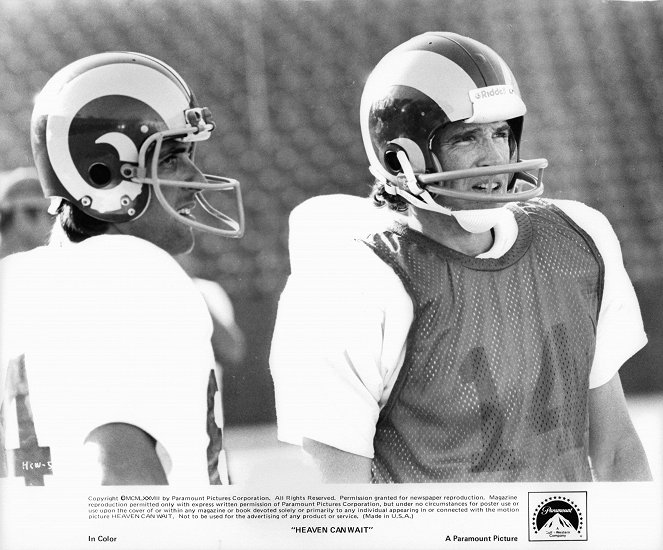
x: 411, y: 149
x: 391, y: 161
x: 100, y: 174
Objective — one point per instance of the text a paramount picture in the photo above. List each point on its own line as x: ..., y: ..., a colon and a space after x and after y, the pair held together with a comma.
x: 331, y: 275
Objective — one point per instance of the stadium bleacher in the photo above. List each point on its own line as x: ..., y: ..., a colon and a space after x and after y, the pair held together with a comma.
x: 283, y: 79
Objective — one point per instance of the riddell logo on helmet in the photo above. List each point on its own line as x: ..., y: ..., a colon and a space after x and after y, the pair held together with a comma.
x: 492, y: 91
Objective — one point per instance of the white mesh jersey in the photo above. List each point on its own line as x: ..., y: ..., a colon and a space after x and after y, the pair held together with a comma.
x: 110, y: 330
x: 343, y: 320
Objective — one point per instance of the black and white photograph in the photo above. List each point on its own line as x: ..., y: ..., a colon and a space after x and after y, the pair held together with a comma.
x: 331, y: 274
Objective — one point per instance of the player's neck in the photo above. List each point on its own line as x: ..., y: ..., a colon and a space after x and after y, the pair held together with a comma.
x: 447, y: 231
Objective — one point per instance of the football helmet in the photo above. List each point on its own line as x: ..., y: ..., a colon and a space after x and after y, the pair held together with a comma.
x: 429, y: 81
x: 94, y: 126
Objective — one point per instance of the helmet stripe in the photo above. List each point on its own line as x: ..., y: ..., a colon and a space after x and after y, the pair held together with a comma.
x: 421, y: 70
x: 481, y: 63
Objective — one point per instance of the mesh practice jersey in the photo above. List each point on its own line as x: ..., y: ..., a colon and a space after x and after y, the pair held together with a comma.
x: 341, y: 333
x: 495, y: 380
x: 110, y: 330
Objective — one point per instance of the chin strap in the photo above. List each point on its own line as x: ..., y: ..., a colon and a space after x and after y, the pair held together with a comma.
x: 408, y: 187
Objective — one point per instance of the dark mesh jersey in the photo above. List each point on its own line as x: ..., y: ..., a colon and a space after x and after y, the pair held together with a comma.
x: 494, y: 385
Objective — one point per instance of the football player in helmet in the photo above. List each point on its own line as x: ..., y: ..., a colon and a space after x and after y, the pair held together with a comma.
x: 105, y: 340
x: 476, y: 332
x: 114, y: 135
x: 422, y: 106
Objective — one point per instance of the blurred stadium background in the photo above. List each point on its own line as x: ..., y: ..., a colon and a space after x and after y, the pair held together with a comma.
x: 283, y: 79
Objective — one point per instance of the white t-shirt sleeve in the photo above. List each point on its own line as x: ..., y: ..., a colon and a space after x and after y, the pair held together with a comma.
x: 333, y: 349
x: 620, y: 332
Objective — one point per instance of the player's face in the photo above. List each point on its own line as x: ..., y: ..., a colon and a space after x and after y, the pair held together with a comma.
x: 156, y: 225
x: 460, y: 145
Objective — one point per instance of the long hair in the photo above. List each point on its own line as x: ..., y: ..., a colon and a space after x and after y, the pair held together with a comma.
x: 381, y: 198
x: 77, y: 225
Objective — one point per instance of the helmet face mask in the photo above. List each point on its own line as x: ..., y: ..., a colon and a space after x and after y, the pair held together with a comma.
x: 93, y: 125
x: 206, y: 191
x: 419, y: 87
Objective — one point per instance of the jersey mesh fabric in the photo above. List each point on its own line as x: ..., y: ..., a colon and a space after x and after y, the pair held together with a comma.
x: 495, y: 381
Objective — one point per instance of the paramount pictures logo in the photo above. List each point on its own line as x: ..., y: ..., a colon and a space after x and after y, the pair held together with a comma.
x: 557, y: 516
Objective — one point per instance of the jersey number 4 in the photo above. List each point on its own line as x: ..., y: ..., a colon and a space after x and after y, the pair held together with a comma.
x: 29, y: 461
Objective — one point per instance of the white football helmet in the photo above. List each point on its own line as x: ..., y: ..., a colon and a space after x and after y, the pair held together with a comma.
x: 431, y: 80
x: 94, y: 124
